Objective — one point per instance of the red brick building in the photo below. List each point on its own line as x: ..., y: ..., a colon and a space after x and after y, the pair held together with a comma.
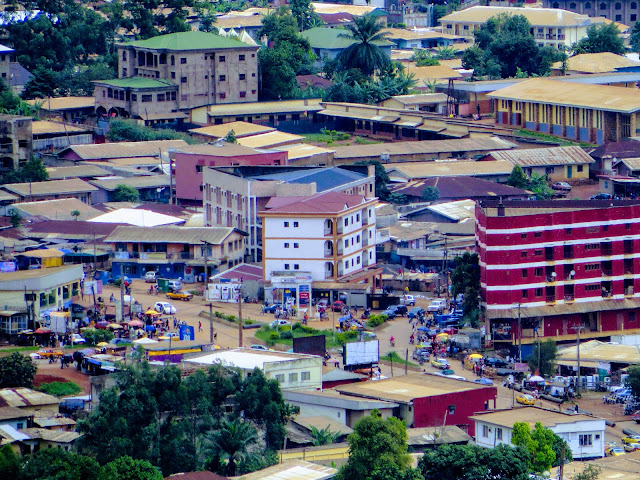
x: 558, y: 266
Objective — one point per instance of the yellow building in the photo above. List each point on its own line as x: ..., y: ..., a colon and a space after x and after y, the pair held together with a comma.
x: 583, y: 112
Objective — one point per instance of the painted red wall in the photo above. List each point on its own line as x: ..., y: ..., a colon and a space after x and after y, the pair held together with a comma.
x: 430, y: 411
x: 188, y: 180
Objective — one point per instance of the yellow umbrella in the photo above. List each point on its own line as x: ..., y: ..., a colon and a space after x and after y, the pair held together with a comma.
x: 102, y: 344
x: 151, y: 312
x: 216, y: 347
x: 114, y: 326
x: 475, y: 356
x: 441, y: 335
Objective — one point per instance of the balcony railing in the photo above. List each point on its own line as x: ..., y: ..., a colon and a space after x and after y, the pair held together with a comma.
x: 569, y: 297
x: 328, y: 253
x: 339, y: 229
x: 365, y: 220
x: 328, y: 274
x: 606, y: 272
x: 551, y: 298
x: 340, y: 272
x: 365, y: 262
x: 340, y: 250
x: 365, y: 241
x: 551, y: 278
x: 328, y: 232
x: 628, y: 290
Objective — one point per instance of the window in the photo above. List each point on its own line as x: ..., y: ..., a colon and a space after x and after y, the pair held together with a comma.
x: 523, y: 254
x: 538, y: 292
x: 346, y: 242
x: 173, y: 75
x: 525, y: 293
x: 124, y: 72
x: 346, y: 222
x: 627, y: 226
x: 586, y: 440
x: 222, y: 78
x: 305, y: 376
x: 296, y: 245
x: 286, y: 244
x: 241, y: 58
x: 183, y: 79
x: 134, y: 97
x: 296, y: 266
x: 293, y: 377
x: 523, y: 235
x: 147, y: 98
x: 286, y: 224
x: 498, y: 433
x: 537, y: 234
x: 357, y: 217
x: 537, y: 252
x: 346, y: 264
x: 221, y: 58
x: 183, y: 61
x: 286, y: 266
x: 524, y: 273
x: 242, y: 76
x: 618, y: 6
x: 295, y: 224
x: 161, y: 97
x: 548, y: 170
x: 199, y: 168
x: 243, y: 94
x: 568, y: 230
x: 485, y: 430
x: 280, y: 378
x: 538, y: 271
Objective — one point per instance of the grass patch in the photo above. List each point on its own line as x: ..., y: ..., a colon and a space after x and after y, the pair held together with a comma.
x: 60, y: 389
x: 393, y: 356
x: 551, y: 138
x: 366, y: 141
x: 285, y: 335
x: 326, y: 137
x: 11, y: 350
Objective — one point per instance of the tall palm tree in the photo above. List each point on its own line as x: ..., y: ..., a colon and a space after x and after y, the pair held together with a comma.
x: 364, y: 54
x: 231, y: 439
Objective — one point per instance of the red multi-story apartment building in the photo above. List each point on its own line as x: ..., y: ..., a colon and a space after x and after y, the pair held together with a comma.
x: 557, y: 266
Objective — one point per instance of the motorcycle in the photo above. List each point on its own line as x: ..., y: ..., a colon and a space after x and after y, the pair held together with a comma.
x: 365, y: 314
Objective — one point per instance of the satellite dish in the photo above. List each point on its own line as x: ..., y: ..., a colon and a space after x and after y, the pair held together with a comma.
x: 573, y: 273
x: 554, y: 274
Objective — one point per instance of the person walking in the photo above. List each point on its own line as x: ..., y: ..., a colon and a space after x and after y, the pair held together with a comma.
x: 199, y: 326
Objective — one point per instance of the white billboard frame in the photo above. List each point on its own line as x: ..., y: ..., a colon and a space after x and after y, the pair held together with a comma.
x: 361, y: 353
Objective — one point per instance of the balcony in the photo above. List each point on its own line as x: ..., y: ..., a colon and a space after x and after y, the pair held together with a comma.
x: 340, y: 250
x: 153, y: 255
x: 340, y: 271
x: 551, y: 278
x: 628, y: 291
x: 365, y: 262
x: 606, y: 272
x: 365, y: 220
x: 328, y: 274
x: 340, y: 229
x: 551, y: 298
x: 328, y: 253
x: 569, y: 297
x: 365, y: 241
x: 551, y: 36
x: 561, y: 36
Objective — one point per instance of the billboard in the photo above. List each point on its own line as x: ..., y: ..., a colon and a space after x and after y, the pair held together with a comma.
x: 187, y: 332
x: 314, y: 345
x: 361, y: 353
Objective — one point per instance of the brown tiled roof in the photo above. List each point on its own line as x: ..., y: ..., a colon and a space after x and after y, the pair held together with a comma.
x: 123, y: 149
x: 330, y: 202
x: 533, y: 157
x: 623, y: 149
x: 72, y: 185
x: 64, y: 103
x: 78, y: 171
x: 460, y: 187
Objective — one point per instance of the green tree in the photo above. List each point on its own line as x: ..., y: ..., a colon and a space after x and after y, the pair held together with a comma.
x: 94, y: 336
x: 590, y: 472
x: 365, y: 54
x: 465, y: 280
x: 430, y: 194
x: 537, y: 442
x: 539, y: 184
x: 634, y: 38
x: 17, y: 370
x: 633, y: 381
x: 470, y: 462
x: 424, y: 58
x: 57, y: 464
x: 517, y: 178
x: 128, y: 131
x: 561, y: 450
x: 604, y: 37
x: 324, y: 436
x: 75, y: 214
x: 230, y: 137
x: 446, y: 53
x: 374, y: 445
x: 129, y: 469
x: 15, y: 218
x: 382, y: 178
x: 231, y: 439
x: 9, y: 463
x: 398, y: 198
x: 305, y: 14
x: 543, y: 358
x: 125, y: 193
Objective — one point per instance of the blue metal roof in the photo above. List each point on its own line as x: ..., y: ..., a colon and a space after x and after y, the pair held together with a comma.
x: 325, y: 178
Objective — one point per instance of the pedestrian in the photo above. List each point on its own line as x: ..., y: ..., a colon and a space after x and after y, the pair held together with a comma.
x: 199, y: 326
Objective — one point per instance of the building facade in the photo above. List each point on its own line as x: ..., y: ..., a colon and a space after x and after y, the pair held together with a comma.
x: 622, y: 11
x: 583, y: 112
x: 549, y: 269
x: 16, y: 141
x: 549, y: 27
x: 331, y: 235
x: 200, y: 69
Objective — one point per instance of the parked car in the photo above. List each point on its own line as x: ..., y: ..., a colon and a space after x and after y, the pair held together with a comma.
x: 441, y: 363
x: 77, y: 339
x: 408, y: 300
x: 150, y: 277
x: 613, y: 450
x: 449, y: 373
x: 601, y: 196
x: 636, y: 416
x: 117, y: 341
x: 437, y: 306
x: 279, y: 323
x: 166, y: 308
x: 631, y: 439
x: 525, y: 399
x: 255, y: 346
x: 561, y: 186
x: 631, y: 447
x: 337, y: 306
x: 401, y: 310
x: 495, y: 362
x: 483, y: 381
x: 174, y: 285
x: 273, y: 307
x: 416, y: 312
x: 180, y: 295
x: 390, y: 313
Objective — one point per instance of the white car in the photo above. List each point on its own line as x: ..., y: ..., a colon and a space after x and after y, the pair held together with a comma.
x: 174, y: 285
x: 166, y: 308
x: 279, y: 323
x: 77, y: 339
x: 437, y: 305
x: 150, y: 277
x: 408, y: 300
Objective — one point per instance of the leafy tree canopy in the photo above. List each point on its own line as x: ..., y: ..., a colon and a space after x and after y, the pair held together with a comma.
x: 305, y: 14
x: 430, y: 194
x: 545, y: 353
x: 17, y: 370
x: 127, y: 467
x: 125, y: 193
x: 424, y: 58
x: 634, y: 39
x: 538, y: 443
x: 382, y: 178
x: 57, y: 464
x: 517, y: 178
x: 364, y: 54
x: 601, y: 38
x: 633, y: 381
x: 31, y: 171
x: 129, y: 131
x: 375, y: 445
x: 465, y: 279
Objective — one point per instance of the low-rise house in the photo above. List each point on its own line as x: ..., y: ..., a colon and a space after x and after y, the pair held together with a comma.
x: 174, y: 252
x: 497, y: 171
x: 138, y: 217
x: 558, y: 163
x: 212, y: 133
x: 84, y: 172
x: 270, y: 140
x: 422, y: 439
x: 60, y: 209
x: 152, y: 188
x: 293, y: 371
x: 46, y: 438
x: 584, y: 112
x: 613, y: 152
x: 425, y: 102
x: 344, y: 409
x: 52, y: 190
x: 15, y: 417
x: 29, y: 402
x: 420, y: 38
x: 69, y: 109
x: 428, y: 76
x: 595, y: 63
x: 119, y: 150
x: 49, y: 135
x: 429, y: 400
x: 584, y: 434
x: 16, y: 146
x: 292, y: 469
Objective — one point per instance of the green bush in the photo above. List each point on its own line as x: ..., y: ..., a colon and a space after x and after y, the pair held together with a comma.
x: 286, y: 335
x: 274, y: 336
x: 344, y: 337
x: 231, y: 318
x: 248, y: 321
x: 305, y: 329
x: 60, y: 389
x: 94, y: 336
x: 375, y: 320
x: 218, y: 314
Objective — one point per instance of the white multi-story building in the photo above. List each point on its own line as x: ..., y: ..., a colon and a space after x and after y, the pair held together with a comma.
x: 584, y: 434
x: 330, y: 235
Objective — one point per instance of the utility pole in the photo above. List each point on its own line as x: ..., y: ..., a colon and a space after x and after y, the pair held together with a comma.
x: 445, y: 270
x: 121, y: 297
x: 578, y: 329
x: 210, y: 305
x: 240, y: 316
x: 519, y: 335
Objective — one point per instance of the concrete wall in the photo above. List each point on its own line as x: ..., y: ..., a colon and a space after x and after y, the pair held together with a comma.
x: 289, y: 373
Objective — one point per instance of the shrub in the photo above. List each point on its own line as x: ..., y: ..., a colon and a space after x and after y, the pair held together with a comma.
x: 274, y: 336
x: 375, y: 320
x: 217, y: 314
x: 286, y: 335
x: 60, y: 389
x: 94, y: 336
x: 248, y: 321
x: 231, y: 318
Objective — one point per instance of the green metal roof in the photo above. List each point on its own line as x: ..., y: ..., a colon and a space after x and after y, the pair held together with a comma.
x: 136, y: 82
x: 329, y: 38
x: 188, y: 41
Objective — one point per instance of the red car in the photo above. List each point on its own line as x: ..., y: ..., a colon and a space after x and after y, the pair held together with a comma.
x: 636, y: 416
x: 337, y: 306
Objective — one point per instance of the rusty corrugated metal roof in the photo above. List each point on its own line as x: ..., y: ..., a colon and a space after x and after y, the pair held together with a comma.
x: 25, y: 397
